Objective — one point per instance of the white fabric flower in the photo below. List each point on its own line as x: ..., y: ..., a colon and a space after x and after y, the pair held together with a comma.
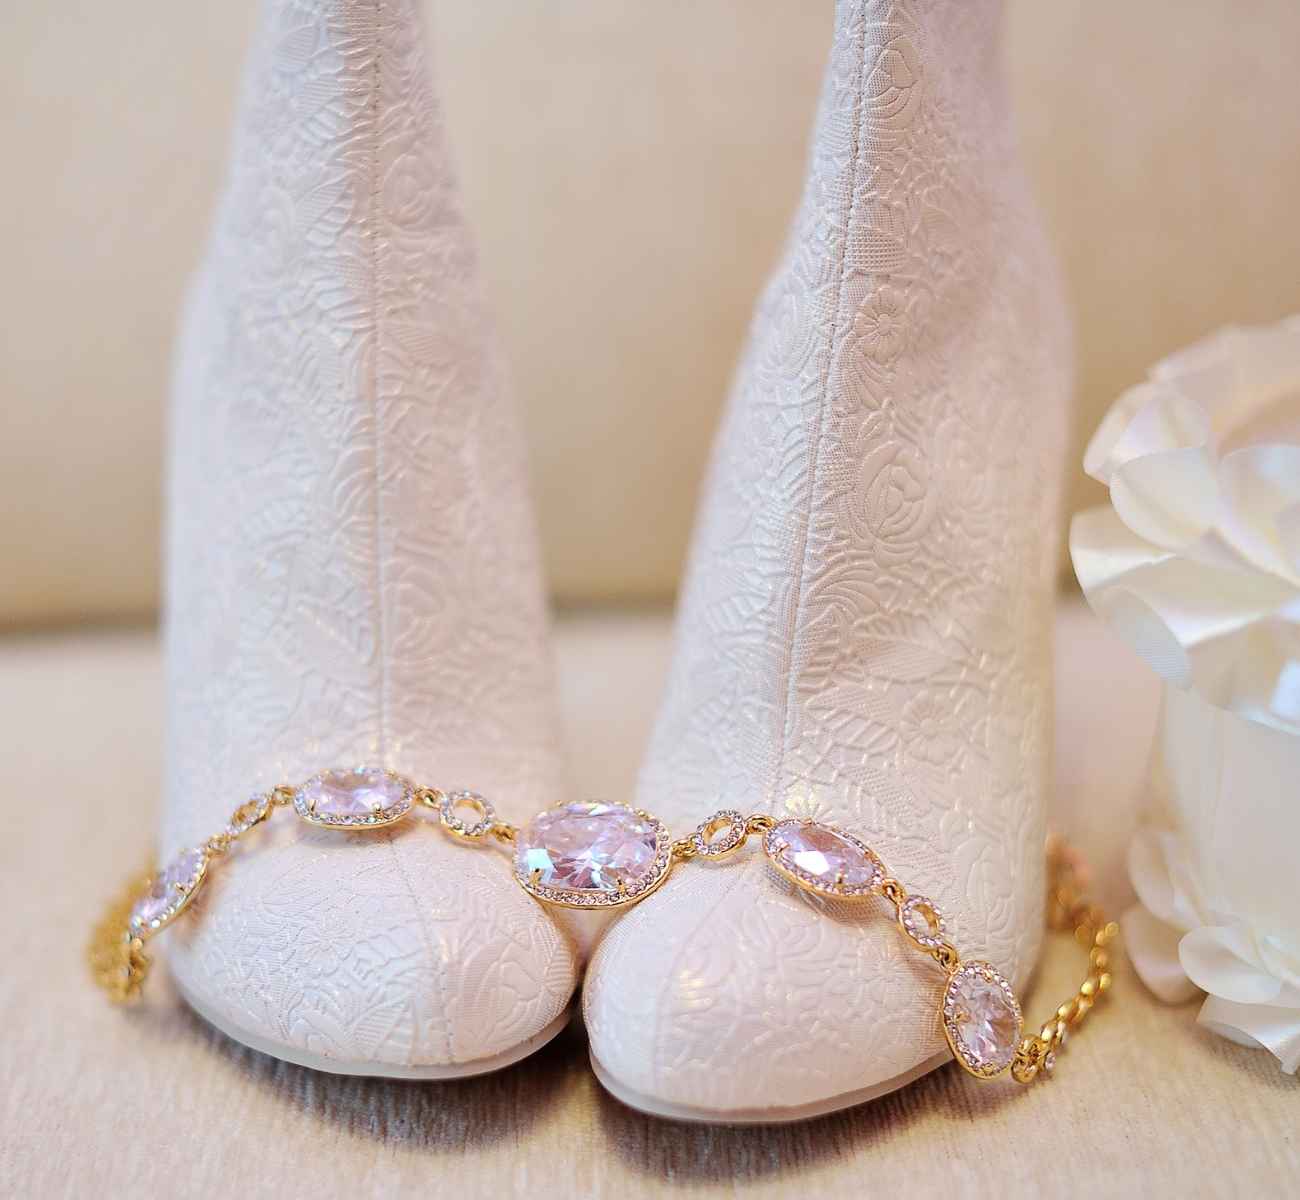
x: 1179, y: 943
x: 1196, y: 559
x: 1195, y: 562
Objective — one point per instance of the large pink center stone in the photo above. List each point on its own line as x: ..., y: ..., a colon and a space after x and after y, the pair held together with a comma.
x: 987, y: 1025
x: 823, y: 856
x: 359, y: 793
x: 587, y: 846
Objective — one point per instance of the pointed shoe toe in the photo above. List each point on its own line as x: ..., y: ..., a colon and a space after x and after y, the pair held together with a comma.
x: 393, y: 953
x: 353, y: 575
x: 731, y: 997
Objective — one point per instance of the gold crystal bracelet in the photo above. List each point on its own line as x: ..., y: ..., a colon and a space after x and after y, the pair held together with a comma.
x: 596, y: 855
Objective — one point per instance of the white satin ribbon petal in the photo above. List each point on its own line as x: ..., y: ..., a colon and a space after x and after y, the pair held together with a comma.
x: 1195, y: 562
x: 1157, y: 879
x: 1201, y: 541
x: 1218, y: 909
x: 1153, y: 949
x: 1228, y: 635
x: 1261, y: 514
x: 1281, y: 961
x: 1171, y: 499
x: 1221, y: 960
x: 1276, y: 1030
x: 1100, y: 455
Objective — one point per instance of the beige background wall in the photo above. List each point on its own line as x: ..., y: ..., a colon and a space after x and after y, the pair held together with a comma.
x: 630, y: 168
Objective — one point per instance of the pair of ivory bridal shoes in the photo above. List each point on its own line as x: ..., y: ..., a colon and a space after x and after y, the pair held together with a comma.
x: 862, y: 637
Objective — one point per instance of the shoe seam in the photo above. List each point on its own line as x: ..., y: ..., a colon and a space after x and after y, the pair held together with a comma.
x: 381, y: 620
x: 795, y: 608
x: 796, y: 604
x: 709, y: 914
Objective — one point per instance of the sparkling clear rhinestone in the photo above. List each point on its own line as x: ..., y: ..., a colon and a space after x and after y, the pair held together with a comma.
x: 985, y: 1023
x: 169, y: 890
x: 361, y: 796
x: 822, y: 857
x: 589, y: 847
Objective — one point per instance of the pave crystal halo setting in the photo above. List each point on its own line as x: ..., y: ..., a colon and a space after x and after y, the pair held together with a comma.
x: 364, y: 797
x: 590, y: 854
x: 823, y: 859
x: 170, y: 892
x: 981, y: 1019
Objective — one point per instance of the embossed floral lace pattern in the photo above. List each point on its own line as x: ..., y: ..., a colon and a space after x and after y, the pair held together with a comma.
x: 864, y: 630
x: 353, y: 575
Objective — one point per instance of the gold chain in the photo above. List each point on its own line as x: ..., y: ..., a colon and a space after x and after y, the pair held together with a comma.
x: 1068, y: 911
x: 119, y: 964
x: 117, y: 959
x: 115, y: 951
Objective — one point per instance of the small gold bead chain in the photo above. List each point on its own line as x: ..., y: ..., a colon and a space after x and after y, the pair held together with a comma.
x: 1068, y: 911
x: 116, y: 957
x: 120, y: 965
x: 116, y: 949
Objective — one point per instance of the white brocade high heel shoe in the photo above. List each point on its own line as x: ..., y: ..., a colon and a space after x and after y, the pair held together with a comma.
x: 864, y: 631
x: 353, y: 578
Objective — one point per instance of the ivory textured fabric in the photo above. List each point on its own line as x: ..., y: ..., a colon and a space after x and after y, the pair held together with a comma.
x: 353, y: 570
x: 96, y: 1102
x: 631, y: 169
x: 863, y: 636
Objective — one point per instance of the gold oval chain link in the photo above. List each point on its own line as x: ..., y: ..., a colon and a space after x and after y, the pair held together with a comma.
x: 120, y: 966
x: 1068, y: 911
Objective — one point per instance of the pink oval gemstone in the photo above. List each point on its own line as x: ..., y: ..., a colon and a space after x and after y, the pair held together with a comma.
x: 589, y: 847
x: 363, y: 796
x: 168, y: 891
x: 982, y: 1018
x: 822, y: 857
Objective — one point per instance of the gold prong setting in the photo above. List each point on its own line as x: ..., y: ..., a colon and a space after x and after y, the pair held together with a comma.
x: 358, y: 799
x: 169, y: 892
x: 592, y: 855
x: 981, y: 1019
x: 823, y: 859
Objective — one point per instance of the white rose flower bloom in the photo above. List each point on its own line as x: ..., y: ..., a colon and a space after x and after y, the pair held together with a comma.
x: 1195, y: 562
